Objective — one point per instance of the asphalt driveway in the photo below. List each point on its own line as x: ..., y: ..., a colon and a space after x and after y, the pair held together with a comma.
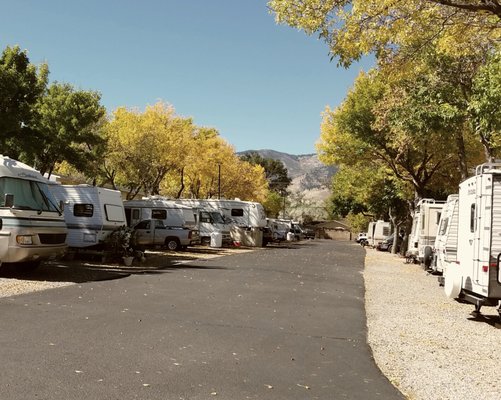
x: 277, y: 323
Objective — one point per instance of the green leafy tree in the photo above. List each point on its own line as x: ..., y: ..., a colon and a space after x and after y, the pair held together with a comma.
x: 66, y: 124
x: 21, y: 85
x: 275, y: 171
x: 484, y: 106
x: 393, y: 124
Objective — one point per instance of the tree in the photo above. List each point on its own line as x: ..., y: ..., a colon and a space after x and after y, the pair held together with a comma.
x: 145, y: 147
x: 21, y: 85
x: 484, y: 106
x: 352, y: 28
x: 275, y: 171
x: 394, y: 124
x: 66, y: 124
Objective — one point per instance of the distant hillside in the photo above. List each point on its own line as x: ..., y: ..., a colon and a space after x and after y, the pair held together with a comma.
x: 310, y: 177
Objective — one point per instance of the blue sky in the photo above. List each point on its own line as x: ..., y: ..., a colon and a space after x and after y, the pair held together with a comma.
x: 225, y: 63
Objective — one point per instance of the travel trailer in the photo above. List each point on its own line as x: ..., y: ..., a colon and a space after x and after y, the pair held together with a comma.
x: 91, y: 213
x: 412, y: 244
x: 424, y: 230
x: 377, y: 232
x: 32, y: 224
x: 445, y: 248
x: 169, y: 211
x: 476, y: 277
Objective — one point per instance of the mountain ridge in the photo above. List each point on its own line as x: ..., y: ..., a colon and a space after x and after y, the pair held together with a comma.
x: 310, y: 178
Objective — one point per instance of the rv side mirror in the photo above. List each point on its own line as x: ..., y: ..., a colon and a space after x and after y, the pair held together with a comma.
x: 9, y: 200
x: 61, y: 205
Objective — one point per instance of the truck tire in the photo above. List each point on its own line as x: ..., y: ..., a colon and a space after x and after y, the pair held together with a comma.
x: 172, y: 244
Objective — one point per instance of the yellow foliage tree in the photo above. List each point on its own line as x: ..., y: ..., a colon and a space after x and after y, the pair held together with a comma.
x: 353, y: 28
x: 144, y: 147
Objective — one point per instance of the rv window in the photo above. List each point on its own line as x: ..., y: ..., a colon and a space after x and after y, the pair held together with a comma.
x: 83, y: 210
x: 386, y: 231
x: 472, y: 218
x: 237, y: 212
x: 114, y: 213
x: 159, y: 214
x: 438, y: 218
x: 135, y: 214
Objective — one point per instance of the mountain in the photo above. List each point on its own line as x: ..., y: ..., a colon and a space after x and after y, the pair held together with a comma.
x: 310, y: 177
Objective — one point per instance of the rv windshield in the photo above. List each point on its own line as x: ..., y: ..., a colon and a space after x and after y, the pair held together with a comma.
x: 28, y: 195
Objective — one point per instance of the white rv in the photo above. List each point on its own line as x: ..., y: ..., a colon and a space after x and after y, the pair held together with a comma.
x: 32, y: 224
x: 169, y: 211
x: 377, y: 232
x: 412, y: 245
x: 425, y: 223
x: 91, y: 213
x: 279, y: 228
x: 476, y: 277
x: 445, y: 248
x: 237, y: 216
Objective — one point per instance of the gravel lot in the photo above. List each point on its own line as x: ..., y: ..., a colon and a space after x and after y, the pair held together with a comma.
x: 426, y: 344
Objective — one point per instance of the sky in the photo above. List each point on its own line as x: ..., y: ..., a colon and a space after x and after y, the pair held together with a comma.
x: 224, y: 63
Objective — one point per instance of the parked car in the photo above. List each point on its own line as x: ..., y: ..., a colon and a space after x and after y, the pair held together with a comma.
x: 361, y: 236
x: 153, y: 232
x: 387, y: 243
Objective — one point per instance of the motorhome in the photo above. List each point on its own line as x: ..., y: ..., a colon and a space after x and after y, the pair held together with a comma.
x: 377, y: 231
x: 210, y: 220
x: 425, y: 226
x: 279, y: 229
x: 32, y: 223
x: 238, y: 218
x: 445, y: 248
x: 476, y: 276
x: 91, y: 213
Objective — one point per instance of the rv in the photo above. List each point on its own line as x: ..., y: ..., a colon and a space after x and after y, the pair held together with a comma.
x: 32, y: 224
x: 445, y: 248
x: 210, y: 220
x: 234, y: 219
x: 91, y: 213
x: 377, y: 232
x: 425, y: 226
x: 412, y: 244
x: 169, y: 211
x: 475, y: 277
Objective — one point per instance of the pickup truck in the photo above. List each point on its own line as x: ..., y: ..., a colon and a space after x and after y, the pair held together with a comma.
x: 153, y: 232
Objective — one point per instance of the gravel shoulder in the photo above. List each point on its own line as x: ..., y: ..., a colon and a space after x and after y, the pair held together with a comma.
x: 425, y: 343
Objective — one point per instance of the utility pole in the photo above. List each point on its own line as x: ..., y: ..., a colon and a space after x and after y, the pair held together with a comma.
x: 219, y: 180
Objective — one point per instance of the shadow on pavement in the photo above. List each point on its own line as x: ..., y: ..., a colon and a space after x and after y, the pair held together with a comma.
x: 88, y: 270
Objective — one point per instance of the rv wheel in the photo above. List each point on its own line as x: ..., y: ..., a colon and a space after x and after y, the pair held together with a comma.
x: 172, y: 244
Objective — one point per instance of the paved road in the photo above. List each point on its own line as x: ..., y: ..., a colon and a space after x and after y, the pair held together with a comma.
x: 283, y: 323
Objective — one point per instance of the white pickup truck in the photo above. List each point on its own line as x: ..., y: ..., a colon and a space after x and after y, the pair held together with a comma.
x: 153, y: 232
